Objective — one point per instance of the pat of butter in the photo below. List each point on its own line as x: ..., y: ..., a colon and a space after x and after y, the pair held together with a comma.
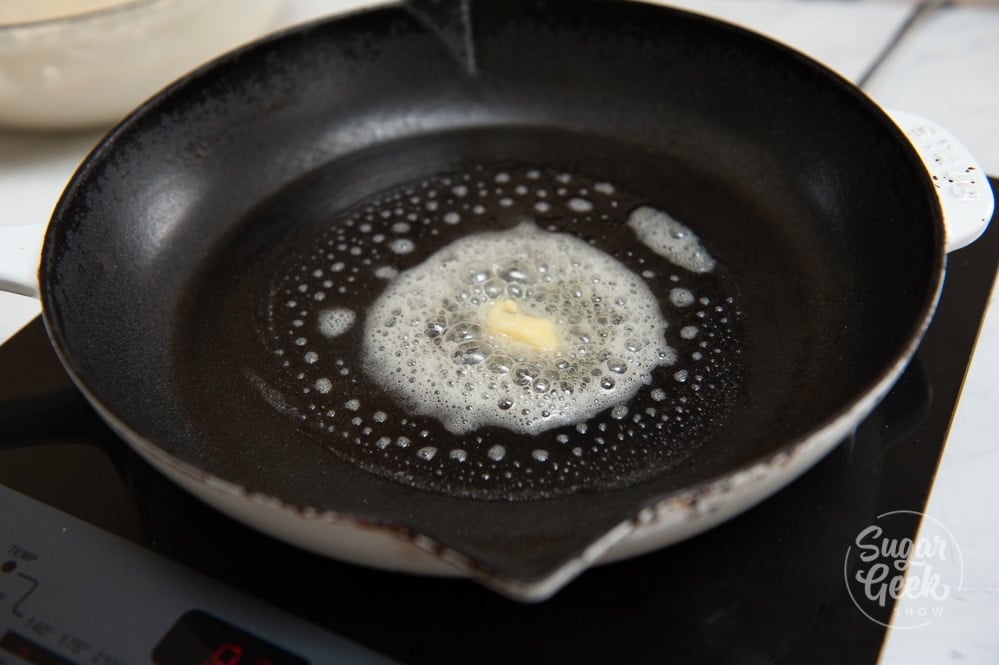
x: 505, y: 318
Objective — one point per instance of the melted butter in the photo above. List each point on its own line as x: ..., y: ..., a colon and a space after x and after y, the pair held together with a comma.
x: 506, y: 318
x: 382, y: 348
x: 454, y: 336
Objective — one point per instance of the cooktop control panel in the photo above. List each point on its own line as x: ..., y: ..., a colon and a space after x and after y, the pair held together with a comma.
x: 71, y: 594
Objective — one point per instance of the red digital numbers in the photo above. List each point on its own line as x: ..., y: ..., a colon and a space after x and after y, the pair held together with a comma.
x: 198, y: 638
x: 232, y: 654
x: 227, y: 654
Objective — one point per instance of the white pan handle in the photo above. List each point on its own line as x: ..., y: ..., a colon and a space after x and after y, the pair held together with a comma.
x: 966, y: 197
x: 20, y: 256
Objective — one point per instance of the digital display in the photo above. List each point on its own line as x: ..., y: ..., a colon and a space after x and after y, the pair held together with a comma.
x: 198, y: 638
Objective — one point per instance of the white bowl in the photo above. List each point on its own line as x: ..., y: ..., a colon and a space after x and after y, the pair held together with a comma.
x: 85, y: 63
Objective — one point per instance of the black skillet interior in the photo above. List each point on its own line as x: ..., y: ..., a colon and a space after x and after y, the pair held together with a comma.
x: 164, y: 249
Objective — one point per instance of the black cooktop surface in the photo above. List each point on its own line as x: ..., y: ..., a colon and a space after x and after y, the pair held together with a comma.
x: 765, y: 587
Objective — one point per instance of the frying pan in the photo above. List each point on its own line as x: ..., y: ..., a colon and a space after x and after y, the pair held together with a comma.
x: 270, y: 174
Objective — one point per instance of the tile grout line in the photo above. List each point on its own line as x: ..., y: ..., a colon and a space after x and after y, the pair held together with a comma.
x: 920, y: 12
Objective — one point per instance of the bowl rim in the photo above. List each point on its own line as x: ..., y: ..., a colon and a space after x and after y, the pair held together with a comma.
x: 114, y: 9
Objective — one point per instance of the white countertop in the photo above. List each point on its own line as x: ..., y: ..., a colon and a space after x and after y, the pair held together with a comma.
x: 945, y: 68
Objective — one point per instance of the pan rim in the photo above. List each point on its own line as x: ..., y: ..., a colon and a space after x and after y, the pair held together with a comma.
x: 816, y: 442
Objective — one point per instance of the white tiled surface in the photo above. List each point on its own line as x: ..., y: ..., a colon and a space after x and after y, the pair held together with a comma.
x: 831, y: 32
x: 946, y: 69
